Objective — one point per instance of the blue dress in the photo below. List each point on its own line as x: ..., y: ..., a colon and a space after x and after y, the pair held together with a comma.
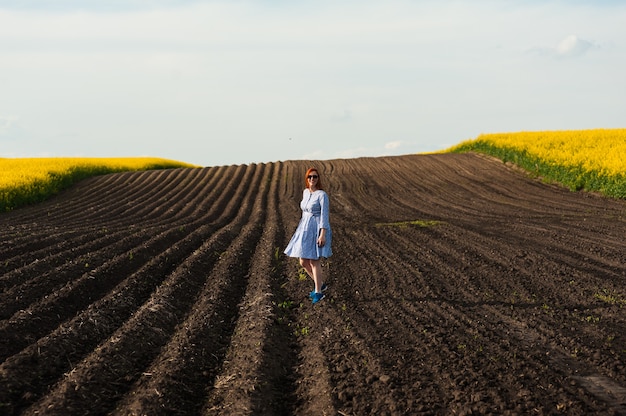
x: 315, y: 216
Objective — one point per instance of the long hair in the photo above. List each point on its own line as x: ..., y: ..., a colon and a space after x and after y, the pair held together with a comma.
x: 319, y: 178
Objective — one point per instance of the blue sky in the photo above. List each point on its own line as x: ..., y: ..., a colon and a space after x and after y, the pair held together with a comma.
x: 231, y: 82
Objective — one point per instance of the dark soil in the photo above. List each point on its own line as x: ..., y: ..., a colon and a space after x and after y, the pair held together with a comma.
x: 458, y: 286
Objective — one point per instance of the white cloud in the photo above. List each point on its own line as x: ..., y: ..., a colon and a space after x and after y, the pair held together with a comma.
x: 393, y: 145
x: 572, y: 45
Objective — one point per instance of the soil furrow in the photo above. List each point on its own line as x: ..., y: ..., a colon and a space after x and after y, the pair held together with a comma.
x: 42, y: 362
x: 26, y: 285
x: 531, y: 303
x: 166, y: 205
x: 21, y: 248
x: 130, y: 192
x: 257, y: 377
x: 88, y: 329
x: 30, y: 256
x: 94, y: 198
x: 367, y: 312
x: 77, y: 294
x: 461, y: 339
x: 153, y: 325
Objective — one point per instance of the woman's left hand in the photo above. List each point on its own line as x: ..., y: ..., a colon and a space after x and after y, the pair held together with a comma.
x: 321, y: 240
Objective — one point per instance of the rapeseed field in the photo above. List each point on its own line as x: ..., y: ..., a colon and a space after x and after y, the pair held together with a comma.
x: 591, y: 160
x: 30, y: 180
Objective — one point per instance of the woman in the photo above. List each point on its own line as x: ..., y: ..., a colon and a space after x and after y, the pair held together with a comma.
x: 313, y: 237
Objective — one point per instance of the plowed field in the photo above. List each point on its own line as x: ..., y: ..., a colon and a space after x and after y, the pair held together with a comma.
x: 458, y: 286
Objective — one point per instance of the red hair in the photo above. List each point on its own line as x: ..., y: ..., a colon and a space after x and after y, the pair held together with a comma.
x: 319, y: 178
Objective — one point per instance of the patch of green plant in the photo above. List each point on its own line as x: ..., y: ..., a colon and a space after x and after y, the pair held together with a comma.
x: 404, y: 224
x: 286, y: 304
x: 610, y: 297
x: 283, y: 311
x: 302, y: 274
x: 302, y: 331
x: 591, y: 319
x: 277, y: 254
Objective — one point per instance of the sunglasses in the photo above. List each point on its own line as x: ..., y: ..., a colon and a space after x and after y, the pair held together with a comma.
x: 312, y: 177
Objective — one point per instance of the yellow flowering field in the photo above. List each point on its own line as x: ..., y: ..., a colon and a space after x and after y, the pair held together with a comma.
x: 30, y: 180
x: 594, y: 160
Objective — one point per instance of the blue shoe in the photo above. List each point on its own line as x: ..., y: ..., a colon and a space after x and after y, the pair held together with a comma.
x: 324, y: 287
x: 316, y: 297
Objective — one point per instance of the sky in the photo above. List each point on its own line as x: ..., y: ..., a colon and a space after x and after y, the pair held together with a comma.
x: 220, y: 82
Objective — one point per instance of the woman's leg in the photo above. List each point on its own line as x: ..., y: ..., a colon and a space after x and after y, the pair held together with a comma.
x: 314, y: 270
x: 316, y: 266
x: 306, y: 264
